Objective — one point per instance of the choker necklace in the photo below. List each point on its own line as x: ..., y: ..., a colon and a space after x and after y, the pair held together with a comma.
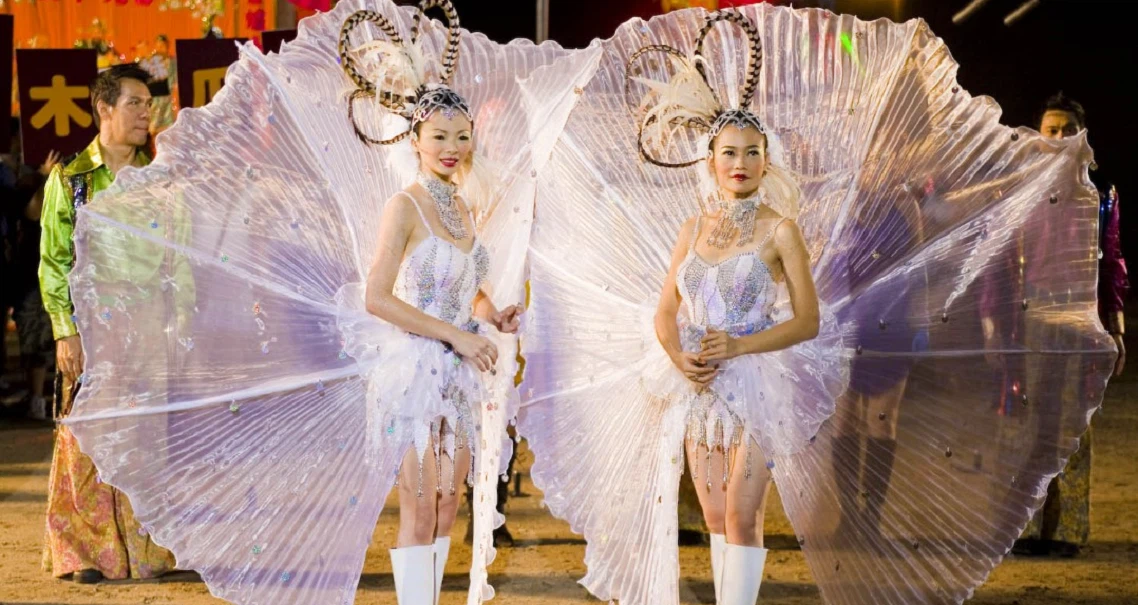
x: 443, y: 195
x: 738, y: 217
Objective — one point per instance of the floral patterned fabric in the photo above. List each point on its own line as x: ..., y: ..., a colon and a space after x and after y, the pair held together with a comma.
x: 90, y: 525
x: 1066, y: 515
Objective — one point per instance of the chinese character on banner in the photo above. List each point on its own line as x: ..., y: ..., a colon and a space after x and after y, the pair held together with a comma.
x: 201, y: 68
x: 55, y: 101
x: 271, y: 41
x: 6, y: 34
x: 255, y: 15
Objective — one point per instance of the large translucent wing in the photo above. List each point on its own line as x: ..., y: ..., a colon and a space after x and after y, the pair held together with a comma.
x: 608, y: 453
x: 488, y: 74
x: 218, y: 393
x: 926, y: 220
x: 944, y: 445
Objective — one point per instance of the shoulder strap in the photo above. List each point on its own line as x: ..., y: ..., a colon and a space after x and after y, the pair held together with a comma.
x: 419, y: 209
x: 770, y: 233
x: 694, y: 234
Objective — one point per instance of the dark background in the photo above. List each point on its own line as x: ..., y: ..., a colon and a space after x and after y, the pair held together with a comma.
x: 6, y: 29
x: 1086, y: 48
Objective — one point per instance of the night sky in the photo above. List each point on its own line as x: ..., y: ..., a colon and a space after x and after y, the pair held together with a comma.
x: 1081, y: 47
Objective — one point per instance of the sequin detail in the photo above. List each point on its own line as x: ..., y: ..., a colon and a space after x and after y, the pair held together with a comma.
x: 441, y: 280
x: 741, y: 288
x: 737, y: 296
x: 425, y: 278
x: 452, y: 301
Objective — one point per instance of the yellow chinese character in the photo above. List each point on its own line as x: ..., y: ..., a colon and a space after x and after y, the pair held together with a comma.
x: 60, y: 105
x: 206, y: 84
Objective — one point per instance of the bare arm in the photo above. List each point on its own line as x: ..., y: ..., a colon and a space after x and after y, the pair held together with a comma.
x: 505, y: 320
x: 667, y: 331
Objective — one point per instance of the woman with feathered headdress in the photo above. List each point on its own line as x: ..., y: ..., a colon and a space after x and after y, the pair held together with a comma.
x: 715, y: 313
x: 726, y: 343
x: 623, y: 387
x: 426, y: 284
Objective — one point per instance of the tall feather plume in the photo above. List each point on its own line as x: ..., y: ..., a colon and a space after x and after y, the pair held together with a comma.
x: 683, y: 100
x: 401, y: 67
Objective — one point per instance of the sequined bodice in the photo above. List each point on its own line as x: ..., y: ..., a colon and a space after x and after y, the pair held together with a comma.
x: 441, y: 280
x: 736, y: 294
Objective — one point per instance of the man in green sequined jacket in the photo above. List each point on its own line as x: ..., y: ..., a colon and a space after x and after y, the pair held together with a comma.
x: 91, y: 532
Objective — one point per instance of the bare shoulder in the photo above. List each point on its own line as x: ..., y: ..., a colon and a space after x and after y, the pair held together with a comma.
x: 788, y: 236
x: 399, y: 214
x: 399, y: 205
x: 687, y: 232
x: 688, y: 226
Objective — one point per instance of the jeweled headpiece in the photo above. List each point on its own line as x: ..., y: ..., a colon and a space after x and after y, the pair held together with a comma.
x: 395, y: 73
x: 687, y: 99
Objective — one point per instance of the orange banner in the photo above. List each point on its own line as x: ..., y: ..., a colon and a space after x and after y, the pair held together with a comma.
x: 130, y: 25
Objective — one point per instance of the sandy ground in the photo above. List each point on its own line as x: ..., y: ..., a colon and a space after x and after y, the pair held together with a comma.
x: 544, y: 566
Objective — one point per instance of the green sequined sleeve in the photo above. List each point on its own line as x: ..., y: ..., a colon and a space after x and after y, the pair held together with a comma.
x: 56, y: 254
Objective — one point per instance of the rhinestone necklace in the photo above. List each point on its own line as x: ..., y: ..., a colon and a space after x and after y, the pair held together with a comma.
x: 738, y: 217
x: 445, y: 204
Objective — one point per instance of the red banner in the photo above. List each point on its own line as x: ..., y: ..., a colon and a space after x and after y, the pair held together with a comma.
x: 271, y: 41
x: 55, y: 101
x: 6, y: 28
x: 321, y: 6
x: 201, y: 68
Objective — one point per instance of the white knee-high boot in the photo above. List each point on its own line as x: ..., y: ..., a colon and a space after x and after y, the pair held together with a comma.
x: 442, y: 551
x: 718, y: 543
x: 742, y: 574
x: 414, y: 571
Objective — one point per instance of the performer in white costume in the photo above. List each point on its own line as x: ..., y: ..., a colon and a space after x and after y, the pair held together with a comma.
x: 426, y: 283
x: 900, y: 175
x: 357, y: 266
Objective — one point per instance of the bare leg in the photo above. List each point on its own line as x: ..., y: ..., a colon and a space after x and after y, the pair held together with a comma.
x: 880, y: 448
x: 713, y: 496
x: 846, y: 454
x: 747, y: 496
x: 418, y: 502
x: 882, y: 411
x: 454, y: 474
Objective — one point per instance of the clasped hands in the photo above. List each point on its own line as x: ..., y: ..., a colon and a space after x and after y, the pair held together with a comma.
x: 480, y: 349
x: 701, y: 368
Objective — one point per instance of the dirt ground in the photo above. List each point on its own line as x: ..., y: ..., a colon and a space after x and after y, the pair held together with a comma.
x: 543, y: 567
